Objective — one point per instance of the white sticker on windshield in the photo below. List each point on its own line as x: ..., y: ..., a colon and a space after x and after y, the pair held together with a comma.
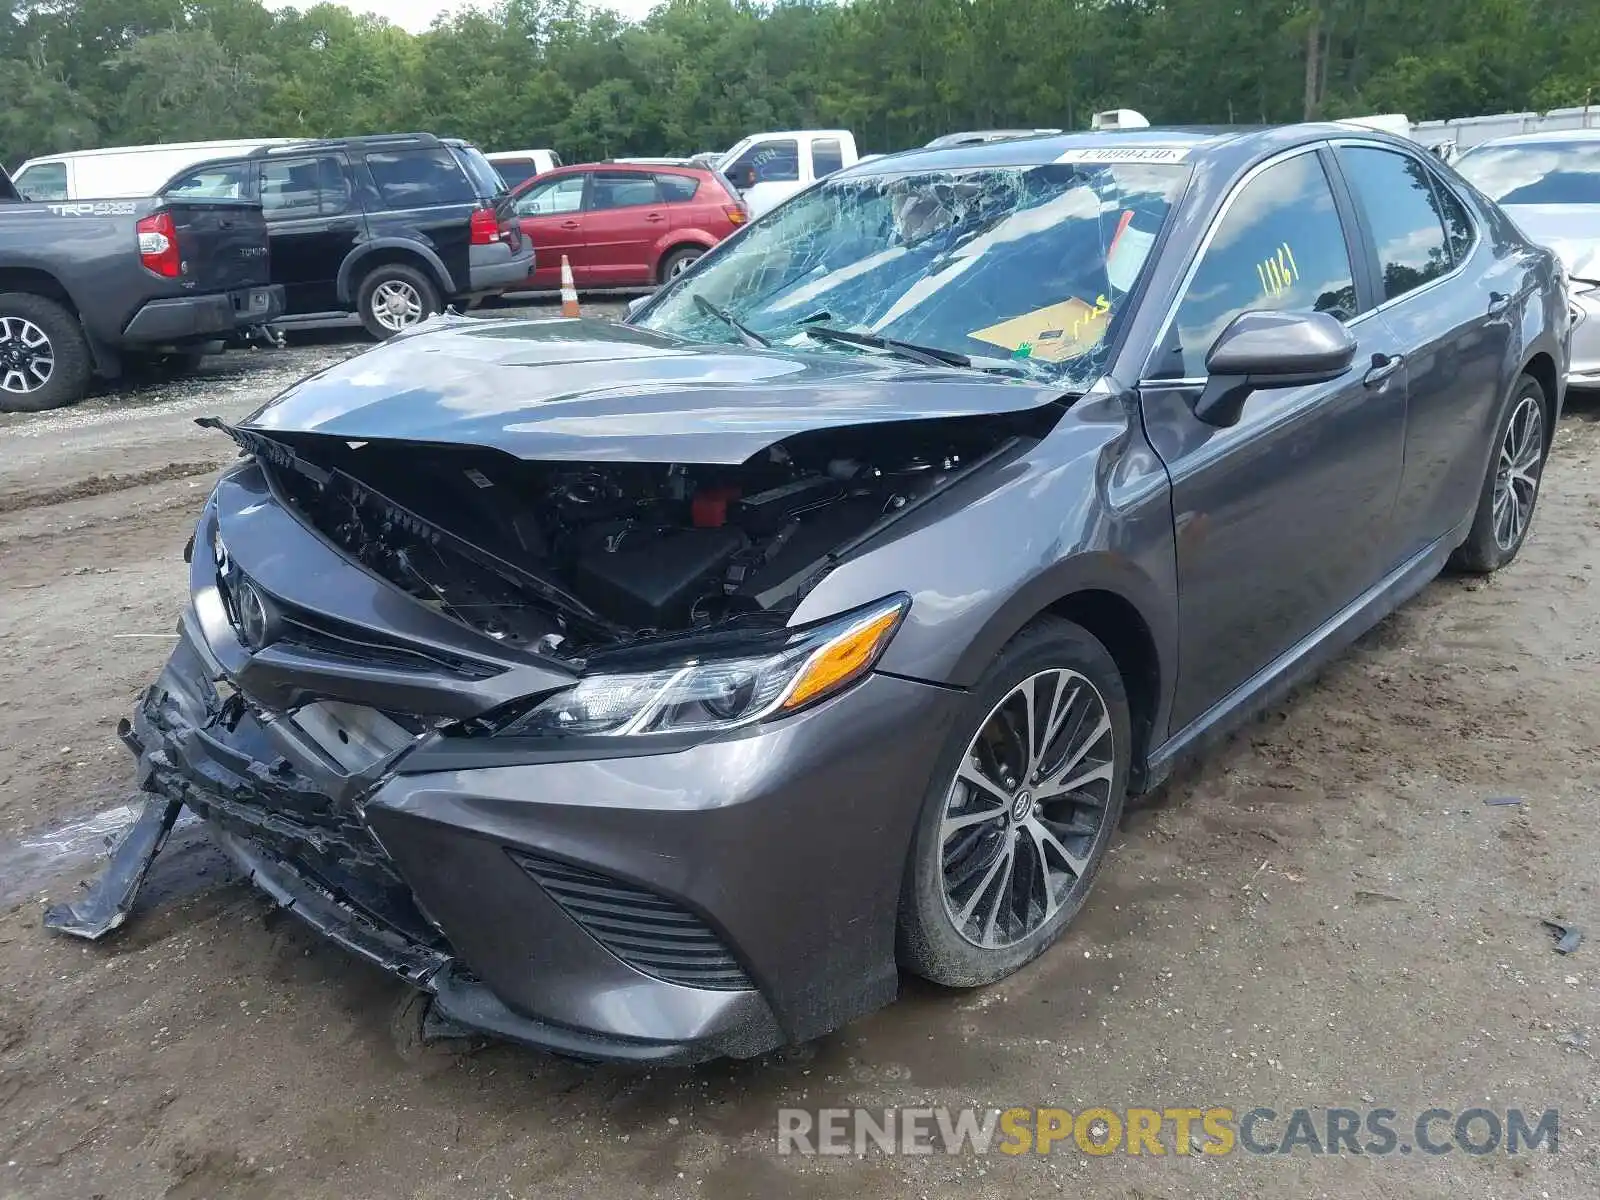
x: 1117, y: 154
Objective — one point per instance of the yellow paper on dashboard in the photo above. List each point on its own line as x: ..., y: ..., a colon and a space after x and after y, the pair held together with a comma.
x: 1052, y: 333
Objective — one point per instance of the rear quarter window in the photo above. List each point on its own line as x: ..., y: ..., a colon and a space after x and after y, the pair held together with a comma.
x: 420, y: 178
x: 488, y: 181
x: 676, y: 189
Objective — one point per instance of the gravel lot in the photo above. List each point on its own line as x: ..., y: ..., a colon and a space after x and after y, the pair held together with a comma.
x: 1326, y: 912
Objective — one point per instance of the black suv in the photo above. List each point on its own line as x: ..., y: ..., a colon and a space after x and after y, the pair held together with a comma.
x: 391, y: 226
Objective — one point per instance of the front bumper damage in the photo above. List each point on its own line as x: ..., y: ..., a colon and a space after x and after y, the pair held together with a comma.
x: 703, y: 900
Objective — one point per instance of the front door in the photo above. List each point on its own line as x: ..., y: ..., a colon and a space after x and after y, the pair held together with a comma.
x: 622, y: 221
x: 1284, y: 518
x: 314, y: 223
x: 551, y: 215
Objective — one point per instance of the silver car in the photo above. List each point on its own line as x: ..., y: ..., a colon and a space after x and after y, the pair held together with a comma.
x: 1549, y: 184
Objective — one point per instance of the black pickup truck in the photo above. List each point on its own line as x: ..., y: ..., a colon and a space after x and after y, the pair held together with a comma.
x: 85, y: 285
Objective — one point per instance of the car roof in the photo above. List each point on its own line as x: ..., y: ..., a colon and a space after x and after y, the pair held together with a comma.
x: 1543, y: 136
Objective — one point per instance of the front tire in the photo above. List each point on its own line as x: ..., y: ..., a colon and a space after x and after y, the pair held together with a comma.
x: 44, y: 357
x: 1024, y: 801
x: 394, y: 297
x: 1511, y: 484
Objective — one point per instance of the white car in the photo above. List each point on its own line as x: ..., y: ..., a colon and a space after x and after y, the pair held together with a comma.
x: 519, y: 166
x: 769, y: 167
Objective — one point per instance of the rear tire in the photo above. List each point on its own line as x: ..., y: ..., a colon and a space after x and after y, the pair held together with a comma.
x: 1005, y: 853
x: 394, y: 297
x: 1511, y: 484
x: 44, y: 357
x: 679, y: 261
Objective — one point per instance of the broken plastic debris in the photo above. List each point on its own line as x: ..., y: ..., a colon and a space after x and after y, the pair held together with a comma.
x: 1568, y: 937
x: 107, y: 904
x: 1499, y: 801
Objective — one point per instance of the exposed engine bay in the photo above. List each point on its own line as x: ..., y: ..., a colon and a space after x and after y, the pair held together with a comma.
x: 567, y: 558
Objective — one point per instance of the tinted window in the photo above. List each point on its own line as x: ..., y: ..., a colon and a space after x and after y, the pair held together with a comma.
x: 676, y: 189
x: 1280, y: 247
x: 563, y: 195
x: 767, y: 162
x: 1397, y: 196
x: 226, y: 181
x: 480, y: 170
x: 1536, y: 172
x: 621, y: 189
x: 45, y: 181
x: 516, y: 171
x: 826, y: 157
x: 303, y: 187
x: 419, y: 178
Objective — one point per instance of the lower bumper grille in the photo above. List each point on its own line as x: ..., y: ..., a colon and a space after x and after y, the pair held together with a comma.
x: 648, y: 932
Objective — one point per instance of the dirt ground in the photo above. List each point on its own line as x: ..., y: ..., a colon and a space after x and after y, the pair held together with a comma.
x: 1325, y: 912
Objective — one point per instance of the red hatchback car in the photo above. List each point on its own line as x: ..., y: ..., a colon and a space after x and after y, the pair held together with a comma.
x: 624, y: 226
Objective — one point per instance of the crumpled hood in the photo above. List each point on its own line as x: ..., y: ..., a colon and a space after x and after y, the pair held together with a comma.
x: 1571, y: 230
x: 596, y: 391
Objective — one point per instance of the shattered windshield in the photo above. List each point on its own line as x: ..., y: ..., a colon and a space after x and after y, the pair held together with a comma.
x: 1023, y: 268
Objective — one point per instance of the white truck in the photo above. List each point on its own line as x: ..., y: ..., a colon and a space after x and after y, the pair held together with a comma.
x: 769, y: 167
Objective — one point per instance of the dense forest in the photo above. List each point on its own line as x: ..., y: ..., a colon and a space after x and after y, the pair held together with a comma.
x: 698, y: 74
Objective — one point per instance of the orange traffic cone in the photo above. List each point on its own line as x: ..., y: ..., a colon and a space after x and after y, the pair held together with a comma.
x: 569, y: 291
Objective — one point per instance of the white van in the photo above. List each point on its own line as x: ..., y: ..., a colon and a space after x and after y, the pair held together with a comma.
x: 519, y: 166
x: 121, y: 171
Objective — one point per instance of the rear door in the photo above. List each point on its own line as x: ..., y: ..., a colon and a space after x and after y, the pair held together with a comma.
x: 1437, y: 295
x: 423, y: 194
x: 623, y: 218
x: 315, y: 223
x: 550, y: 213
x: 1283, y: 519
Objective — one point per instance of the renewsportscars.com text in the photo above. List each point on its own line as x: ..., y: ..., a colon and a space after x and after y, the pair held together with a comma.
x: 1214, y: 1130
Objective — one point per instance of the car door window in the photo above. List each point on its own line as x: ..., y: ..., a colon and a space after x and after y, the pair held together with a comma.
x: 303, y: 187
x: 1280, y: 247
x: 1396, y: 195
x: 677, y: 189
x: 219, y: 181
x: 44, y: 181
x: 622, y: 189
x: 767, y: 162
x: 552, y: 197
x: 420, y: 178
x: 826, y: 156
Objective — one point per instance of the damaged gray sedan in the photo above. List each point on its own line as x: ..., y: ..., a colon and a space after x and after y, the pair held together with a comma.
x: 660, y: 691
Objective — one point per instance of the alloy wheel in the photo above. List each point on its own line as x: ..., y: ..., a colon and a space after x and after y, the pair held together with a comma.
x: 681, y: 264
x: 1516, y: 482
x: 27, y: 360
x: 396, y: 304
x: 1026, y: 807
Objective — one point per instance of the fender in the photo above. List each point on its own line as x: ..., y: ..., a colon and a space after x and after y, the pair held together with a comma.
x: 350, y: 270
x: 674, y: 238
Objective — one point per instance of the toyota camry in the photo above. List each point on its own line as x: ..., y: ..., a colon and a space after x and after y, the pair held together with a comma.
x: 665, y: 689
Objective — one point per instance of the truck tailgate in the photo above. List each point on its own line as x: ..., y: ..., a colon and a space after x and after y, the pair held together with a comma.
x: 223, y: 243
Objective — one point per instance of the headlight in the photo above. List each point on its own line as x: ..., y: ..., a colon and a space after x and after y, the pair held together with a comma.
x: 722, y: 693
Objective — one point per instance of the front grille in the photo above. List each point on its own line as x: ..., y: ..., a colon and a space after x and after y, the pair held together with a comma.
x: 338, y: 639
x: 648, y: 932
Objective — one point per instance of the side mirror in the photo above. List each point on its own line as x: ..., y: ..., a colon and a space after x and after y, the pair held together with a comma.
x: 1271, y: 350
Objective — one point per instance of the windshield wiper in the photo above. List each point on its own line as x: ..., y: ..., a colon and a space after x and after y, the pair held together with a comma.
x: 931, y: 356
x: 746, y: 335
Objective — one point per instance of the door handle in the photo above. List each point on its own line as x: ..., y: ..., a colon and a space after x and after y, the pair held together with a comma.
x: 1499, y: 302
x: 1383, y: 366
x: 569, y: 225
x: 655, y: 218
